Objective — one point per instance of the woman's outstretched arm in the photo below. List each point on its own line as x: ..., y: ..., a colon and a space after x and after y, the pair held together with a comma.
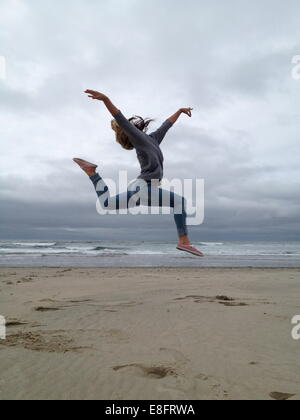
x: 105, y: 99
x: 177, y: 114
x: 160, y: 133
x: 137, y: 138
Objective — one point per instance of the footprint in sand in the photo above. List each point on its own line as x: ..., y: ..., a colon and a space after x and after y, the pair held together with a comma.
x: 189, y: 385
x: 61, y: 305
x: 15, y: 323
x: 80, y: 300
x: 45, y: 309
x: 280, y: 396
x: 153, y: 372
x: 11, y: 323
x: 222, y: 300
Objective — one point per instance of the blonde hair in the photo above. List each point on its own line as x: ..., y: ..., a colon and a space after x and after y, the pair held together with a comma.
x: 122, y: 137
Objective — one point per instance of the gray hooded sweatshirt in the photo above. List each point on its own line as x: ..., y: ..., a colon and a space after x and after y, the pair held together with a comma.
x: 147, y: 147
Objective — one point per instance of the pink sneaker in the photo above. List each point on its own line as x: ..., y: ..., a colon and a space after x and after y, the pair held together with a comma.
x: 190, y: 249
x: 84, y: 164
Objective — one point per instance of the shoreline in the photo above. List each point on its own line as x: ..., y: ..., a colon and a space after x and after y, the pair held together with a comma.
x: 150, y: 260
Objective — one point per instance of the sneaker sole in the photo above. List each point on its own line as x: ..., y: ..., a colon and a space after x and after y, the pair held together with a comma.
x: 85, y: 164
x: 190, y: 252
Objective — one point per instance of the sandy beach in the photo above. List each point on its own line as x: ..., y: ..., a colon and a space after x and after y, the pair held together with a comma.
x: 149, y: 333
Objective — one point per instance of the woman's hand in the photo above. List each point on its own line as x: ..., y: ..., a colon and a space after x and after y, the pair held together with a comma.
x: 187, y: 111
x: 101, y: 97
x: 180, y: 111
x: 95, y: 95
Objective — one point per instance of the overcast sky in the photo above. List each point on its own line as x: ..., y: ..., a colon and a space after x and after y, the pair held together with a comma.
x: 229, y: 60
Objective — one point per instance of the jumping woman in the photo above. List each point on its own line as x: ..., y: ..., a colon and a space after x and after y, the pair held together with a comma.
x: 131, y: 134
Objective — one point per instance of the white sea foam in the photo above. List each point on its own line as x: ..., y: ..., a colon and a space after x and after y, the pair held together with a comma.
x: 115, y: 249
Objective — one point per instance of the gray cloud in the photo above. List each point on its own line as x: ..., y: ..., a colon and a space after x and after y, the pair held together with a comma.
x: 230, y: 61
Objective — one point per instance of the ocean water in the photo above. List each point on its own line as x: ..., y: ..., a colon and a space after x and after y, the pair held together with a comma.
x: 105, y: 253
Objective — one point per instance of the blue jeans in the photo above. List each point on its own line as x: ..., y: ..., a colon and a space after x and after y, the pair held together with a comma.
x: 142, y: 193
